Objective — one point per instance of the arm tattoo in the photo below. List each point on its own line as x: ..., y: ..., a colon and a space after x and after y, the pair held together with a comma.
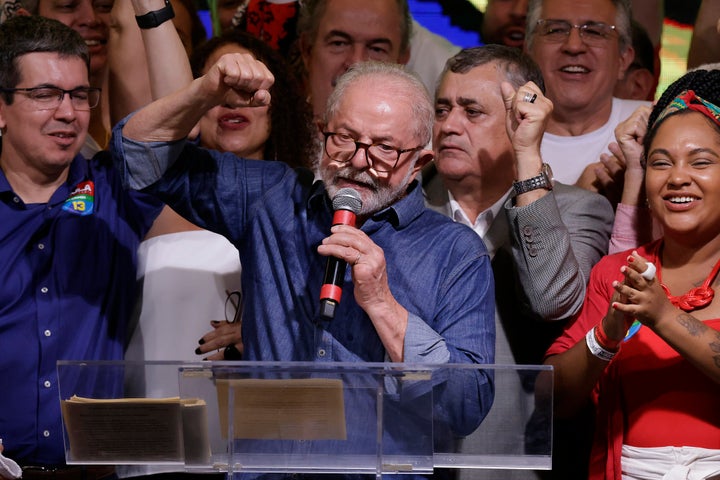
x: 715, y: 344
x: 694, y: 326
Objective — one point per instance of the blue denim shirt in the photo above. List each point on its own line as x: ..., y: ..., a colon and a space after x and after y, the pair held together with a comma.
x: 276, y: 217
x: 67, y: 293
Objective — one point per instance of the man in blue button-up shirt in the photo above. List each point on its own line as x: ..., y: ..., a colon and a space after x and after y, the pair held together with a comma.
x: 68, y: 235
x: 419, y: 288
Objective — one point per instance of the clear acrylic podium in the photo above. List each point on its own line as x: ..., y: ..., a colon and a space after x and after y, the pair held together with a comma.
x: 298, y: 417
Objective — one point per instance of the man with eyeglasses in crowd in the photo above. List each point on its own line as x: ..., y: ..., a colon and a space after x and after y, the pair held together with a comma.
x: 583, y: 48
x: 419, y: 288
x: 68, y: 240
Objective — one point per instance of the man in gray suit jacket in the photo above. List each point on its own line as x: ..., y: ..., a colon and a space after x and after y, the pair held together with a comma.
x: 543, y: 236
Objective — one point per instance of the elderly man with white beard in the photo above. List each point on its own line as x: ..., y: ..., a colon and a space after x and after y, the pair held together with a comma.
x: 419, y: 288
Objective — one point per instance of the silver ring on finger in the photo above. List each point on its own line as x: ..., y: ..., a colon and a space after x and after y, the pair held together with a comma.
x: 530, y: 97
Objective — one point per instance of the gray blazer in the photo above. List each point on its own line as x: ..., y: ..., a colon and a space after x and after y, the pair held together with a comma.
x: 543, y: 256
x: 553, y: 242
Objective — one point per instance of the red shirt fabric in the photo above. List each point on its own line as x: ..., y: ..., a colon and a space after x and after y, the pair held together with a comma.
x: 649, y: 395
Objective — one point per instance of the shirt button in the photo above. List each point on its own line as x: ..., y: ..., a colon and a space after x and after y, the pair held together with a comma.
x: 16, y: 200
x: 47, y: 383
x: 44, y: 289
x: 46, y: 433
x: 321, y: 352
x: 47, y: 333
x: 41, y: 246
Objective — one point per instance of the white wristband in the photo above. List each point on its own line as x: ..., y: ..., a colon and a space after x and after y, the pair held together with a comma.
x: 596, y: 349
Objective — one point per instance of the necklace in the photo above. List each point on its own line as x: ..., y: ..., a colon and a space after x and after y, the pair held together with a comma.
x: 697, y: 297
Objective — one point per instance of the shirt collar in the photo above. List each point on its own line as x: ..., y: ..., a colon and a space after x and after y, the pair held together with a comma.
x: 484, y: 220
x: 399, y: 214
x: 318, y: 198
x: 4, y: 184
x: 404, y: 211
x: 79, y: 171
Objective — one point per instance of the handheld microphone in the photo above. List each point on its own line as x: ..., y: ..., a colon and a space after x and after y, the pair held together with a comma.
x: 347, y: 204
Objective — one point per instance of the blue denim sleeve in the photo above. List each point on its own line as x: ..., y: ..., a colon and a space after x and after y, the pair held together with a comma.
x: 465, y: 396
x: 211, y: 189
x: 141, y: 164
x: 423, y: 344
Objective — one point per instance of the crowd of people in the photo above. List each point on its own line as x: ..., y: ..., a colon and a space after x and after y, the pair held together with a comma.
x: 523, y: 202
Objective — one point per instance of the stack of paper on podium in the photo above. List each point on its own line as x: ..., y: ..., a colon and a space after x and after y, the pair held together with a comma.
x: 137, y: 430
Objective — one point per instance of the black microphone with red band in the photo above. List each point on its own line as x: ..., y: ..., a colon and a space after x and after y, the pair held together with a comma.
x: 347, y: 204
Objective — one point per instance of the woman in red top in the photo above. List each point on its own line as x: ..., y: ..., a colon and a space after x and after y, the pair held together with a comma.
x: 646, y: 345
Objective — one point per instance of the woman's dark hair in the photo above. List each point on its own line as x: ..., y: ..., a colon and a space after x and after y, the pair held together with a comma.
x: 644, y: 49
x: 292, y: 134
x: 704, y: 82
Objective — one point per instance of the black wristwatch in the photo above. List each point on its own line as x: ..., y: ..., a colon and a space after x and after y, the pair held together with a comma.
x: 156, y: 17
x: 543, y: 180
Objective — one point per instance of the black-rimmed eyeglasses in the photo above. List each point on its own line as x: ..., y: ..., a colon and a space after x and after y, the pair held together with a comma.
x: 50, y: 98
x: 381, y: 157
x: 557, y: 31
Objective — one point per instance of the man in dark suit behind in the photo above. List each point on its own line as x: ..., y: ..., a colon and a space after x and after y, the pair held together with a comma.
x: 543, y: 236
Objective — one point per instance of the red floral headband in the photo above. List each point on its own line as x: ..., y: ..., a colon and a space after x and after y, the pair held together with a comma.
x: 688, y: 100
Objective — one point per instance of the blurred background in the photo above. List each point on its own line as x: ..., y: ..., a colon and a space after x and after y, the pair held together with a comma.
x: 459, y: 22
